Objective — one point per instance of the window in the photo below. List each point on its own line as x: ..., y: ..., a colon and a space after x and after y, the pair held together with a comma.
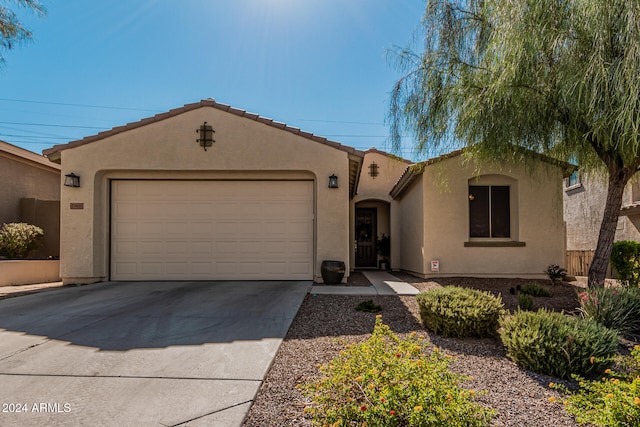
x: 573, y: 181
x: 489, y: 211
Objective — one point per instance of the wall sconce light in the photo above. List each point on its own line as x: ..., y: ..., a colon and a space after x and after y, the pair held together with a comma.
x: 333, y: 181
x: 71, y: 180
x: 206, y: 136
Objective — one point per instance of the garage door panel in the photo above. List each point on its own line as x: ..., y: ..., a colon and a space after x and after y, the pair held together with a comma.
x: 207, y: 230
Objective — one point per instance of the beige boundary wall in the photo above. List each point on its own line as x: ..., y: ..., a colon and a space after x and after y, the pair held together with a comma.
x: 167, y: 149
x: 27, y: 272
x: 434, y: 221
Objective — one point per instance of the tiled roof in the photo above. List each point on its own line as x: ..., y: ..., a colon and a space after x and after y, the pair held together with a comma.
x: 26, y: 156
x: 384, y: 153
x: 204, y: 103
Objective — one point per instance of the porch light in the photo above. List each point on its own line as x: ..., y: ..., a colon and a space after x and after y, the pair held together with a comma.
x: 333, y: 181
x: 71, y: 180
x: 206, y: 136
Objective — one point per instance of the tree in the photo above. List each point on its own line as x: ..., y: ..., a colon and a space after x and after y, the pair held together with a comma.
x: 559, y: 77
x: 12, y: 31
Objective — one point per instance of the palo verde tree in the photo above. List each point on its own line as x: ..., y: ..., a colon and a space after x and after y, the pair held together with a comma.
x: 12, y: 31
x: 559, y: 77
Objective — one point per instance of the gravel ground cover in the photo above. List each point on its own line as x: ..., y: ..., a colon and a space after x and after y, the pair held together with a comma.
x: 326, y: 322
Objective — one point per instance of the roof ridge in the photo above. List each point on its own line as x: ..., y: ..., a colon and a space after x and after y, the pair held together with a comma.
x: 209, y: 102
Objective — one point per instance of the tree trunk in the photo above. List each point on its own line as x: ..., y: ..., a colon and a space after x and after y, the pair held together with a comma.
x: 618, y: 178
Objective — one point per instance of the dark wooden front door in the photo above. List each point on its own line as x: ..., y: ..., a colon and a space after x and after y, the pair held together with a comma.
x: 366, y: 236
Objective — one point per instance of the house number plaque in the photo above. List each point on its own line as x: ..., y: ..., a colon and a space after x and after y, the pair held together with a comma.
x: 76, y: 205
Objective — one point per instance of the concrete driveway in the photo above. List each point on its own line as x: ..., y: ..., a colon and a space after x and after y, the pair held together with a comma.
x: 143, y: 353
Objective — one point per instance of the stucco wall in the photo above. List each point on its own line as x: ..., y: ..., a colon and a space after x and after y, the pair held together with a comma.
x: 411, y: 208
x: 244, y: 149
x: 24, y: 179
x: 536, y: 220
x: 374, y: 192
x: 583, y: 209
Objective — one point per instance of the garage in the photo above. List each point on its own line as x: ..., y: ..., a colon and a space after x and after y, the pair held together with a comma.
x: 212, y: 230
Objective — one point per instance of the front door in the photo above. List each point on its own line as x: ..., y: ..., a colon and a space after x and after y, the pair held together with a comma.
x: 366, y: 233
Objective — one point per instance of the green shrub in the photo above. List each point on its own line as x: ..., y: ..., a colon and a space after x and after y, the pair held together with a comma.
x: 368, y: 306
x: 525, y: 302
x: 555, y: 344
x: 615, y: 308
x: 388, y: 381
x: 18, y: 240
x: 555, y: 272
x: 625, y: 258
x: 535, y: 290
x: 612, y: 401
x: 460, y: 312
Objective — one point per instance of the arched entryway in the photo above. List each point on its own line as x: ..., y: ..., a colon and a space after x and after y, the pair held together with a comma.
x: 372, y: 234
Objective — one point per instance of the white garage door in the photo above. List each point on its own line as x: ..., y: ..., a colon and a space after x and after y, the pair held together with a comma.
x: 211, y: 230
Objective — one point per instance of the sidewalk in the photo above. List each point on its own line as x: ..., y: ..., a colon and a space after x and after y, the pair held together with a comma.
x: 18, y: 290
x: 382, y: 283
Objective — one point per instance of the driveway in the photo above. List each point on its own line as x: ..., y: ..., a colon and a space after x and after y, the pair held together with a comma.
x: 141, y: 353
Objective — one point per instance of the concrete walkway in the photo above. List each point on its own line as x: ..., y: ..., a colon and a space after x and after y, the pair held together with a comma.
x: 17, y: 290
x: 382, y: 283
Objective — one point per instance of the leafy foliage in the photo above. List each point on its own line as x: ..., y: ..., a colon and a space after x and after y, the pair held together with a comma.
x: 460, y: 312
x: 388, y: 381
x: 535, y: 290
x: 555, y: 272
x: 18, y: 240
x: 552, y: 343
x: 11, y: 29
x: 525, y: 302
x: 625, y: 258
x: 368, y: 306
x: 614, y: 308
x: 612, y: 401
x: 557, y: 77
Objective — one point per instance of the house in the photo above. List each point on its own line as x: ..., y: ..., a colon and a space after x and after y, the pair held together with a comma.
x: 31, y: 193
x: 457, y: 218
x: 211, y: 192
x: 584, y: 199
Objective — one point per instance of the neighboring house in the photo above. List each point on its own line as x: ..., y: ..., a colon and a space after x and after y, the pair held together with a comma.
x: 210, y: 192
x: 585, y: 195
x: 30, y: 193
x: 500, y: 222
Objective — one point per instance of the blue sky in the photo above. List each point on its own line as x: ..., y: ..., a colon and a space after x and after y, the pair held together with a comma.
x: 320, y: 65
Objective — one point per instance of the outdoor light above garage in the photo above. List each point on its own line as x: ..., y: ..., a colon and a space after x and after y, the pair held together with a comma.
x: 206, y: 136
x: 333, y: 181
x: 71, y: 180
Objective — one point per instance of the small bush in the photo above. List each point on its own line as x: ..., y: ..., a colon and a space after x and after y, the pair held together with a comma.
x: 460, y: 312
x: 388, y: 381
x: 552, y: 343
x: 535, y: 290
x: 612, y: 401
x: 555, y: 272
x: 368, y: 306
x: 18, y: 240
x: 615, y: 308
x: 525, y: 302
x: 625, y: 258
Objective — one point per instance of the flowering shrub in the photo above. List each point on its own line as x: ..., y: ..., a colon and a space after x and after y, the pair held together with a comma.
x: 615, y: 308
x: 388, y: 381
x: 18, y: 240
x: 556, y: 344
x: 613, y: 400
x: 460, y: 312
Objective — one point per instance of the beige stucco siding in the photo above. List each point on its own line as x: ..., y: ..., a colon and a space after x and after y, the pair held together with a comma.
x: 244, y: 149
x: 411, y: 228
x: 536, y: 220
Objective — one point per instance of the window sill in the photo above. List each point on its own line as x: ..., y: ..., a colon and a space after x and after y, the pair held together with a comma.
x: 496, y: 244
x: 573, y: 187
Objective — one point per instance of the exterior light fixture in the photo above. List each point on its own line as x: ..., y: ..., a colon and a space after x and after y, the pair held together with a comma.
x: 373, y: 170
x: 333, y: 181
x: 71, y: 180
x: 206, y: 136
